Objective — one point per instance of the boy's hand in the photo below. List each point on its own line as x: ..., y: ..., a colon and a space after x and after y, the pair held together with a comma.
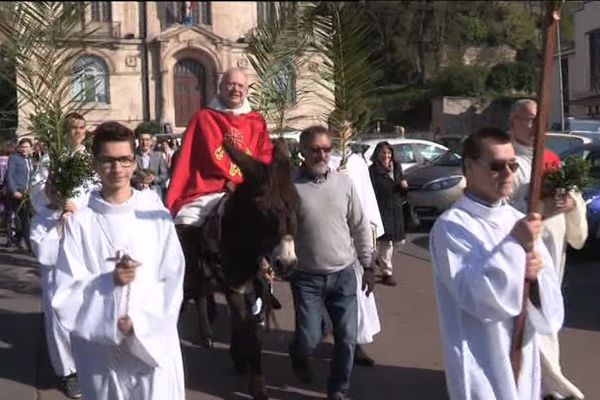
x: 124, y: 272
x: 125, y: 325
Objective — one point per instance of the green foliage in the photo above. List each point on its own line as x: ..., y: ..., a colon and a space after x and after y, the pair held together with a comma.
x: 526, y: 77
x: 507, y: 77
x: 8, y: 96
x: 275, y: 52
x: 71, y: 173
x: 472, y: 29
x: 501, y: 78
x: 41, y: 40
x: 342, y: 35
x: 461, y: 81
x: 151, y: 127
x: 406, y: 105
x: 574, y: 174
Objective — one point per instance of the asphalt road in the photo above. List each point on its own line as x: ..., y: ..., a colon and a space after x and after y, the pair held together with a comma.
x: 407, y: 351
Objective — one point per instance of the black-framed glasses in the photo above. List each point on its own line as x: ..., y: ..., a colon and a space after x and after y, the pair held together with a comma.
x: 108, y: 162
x: 500, y: 166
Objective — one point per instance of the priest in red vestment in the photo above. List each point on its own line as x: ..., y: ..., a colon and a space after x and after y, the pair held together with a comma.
x: 203, y: 169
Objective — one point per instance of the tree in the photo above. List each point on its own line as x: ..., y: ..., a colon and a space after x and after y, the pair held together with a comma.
x: 8, y: 96
x: 41, y: 40
x: 275, y: 51
x: 341, y: 35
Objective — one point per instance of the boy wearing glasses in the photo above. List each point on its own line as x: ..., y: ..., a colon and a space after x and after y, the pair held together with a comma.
x: 482, y: 249
x: 119, y: 283
x: 565, y: 224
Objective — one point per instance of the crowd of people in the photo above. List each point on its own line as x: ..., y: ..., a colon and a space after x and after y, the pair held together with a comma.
x: 114, y: 258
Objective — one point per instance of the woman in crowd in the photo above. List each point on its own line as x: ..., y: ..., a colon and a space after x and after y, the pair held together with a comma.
x: 390, y: 191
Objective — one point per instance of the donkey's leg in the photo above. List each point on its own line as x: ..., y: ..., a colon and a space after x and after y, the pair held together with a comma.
x: 245, y: 344
x: 204, y: 322
x: 190, y: 238
x: 236, y: 350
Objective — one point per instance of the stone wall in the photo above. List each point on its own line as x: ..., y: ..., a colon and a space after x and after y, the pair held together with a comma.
x: 464, y: 115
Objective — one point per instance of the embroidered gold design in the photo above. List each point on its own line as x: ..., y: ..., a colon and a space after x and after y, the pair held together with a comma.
x: 219, y: 152
x: 248, y: 151
x: 234, y: 170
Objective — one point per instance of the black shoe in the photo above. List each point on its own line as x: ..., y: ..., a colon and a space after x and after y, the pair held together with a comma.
x: 388, y: 280
x: 361, y: 358
x: 71, y: 386
x: 300, y: 366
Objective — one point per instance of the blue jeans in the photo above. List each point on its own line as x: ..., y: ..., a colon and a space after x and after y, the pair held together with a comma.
x: 337, y: 293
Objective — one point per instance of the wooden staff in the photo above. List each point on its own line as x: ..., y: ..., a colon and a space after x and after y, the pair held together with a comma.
x: 541, y: 121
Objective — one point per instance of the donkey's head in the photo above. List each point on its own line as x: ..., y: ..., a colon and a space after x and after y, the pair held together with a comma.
x: 267, y: 201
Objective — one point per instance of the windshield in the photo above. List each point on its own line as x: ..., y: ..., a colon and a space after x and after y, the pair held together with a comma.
x: 448, y: 159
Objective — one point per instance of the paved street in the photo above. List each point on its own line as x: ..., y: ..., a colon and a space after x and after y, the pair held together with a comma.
x: 408, y: 351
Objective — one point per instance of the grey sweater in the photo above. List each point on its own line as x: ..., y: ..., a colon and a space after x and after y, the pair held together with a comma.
x: 332, y: 229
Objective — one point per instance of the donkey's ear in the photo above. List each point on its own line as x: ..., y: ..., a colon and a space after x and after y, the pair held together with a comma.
x: 251, y: 168
x: 281, y: 151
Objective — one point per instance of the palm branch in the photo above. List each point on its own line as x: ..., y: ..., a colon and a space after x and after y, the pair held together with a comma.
x: 272, y: 49
x: 42, y: 39
x: 343, y: 37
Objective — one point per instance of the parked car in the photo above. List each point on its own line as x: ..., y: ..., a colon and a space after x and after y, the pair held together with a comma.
x: 589, y: 128
x: 561, y: 142
x: 409, y: 152
x: 452, y: 142
x: 434, y: 187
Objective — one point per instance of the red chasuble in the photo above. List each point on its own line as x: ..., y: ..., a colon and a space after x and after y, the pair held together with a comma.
x: 202, y: 165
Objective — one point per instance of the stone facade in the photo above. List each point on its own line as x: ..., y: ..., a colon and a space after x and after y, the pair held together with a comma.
x: 462, y: 116
x: 208, y: 45
x: 582, y: 67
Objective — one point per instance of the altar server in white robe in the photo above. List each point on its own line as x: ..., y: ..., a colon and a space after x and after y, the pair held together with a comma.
x: 565, y: 223
x: 480, y: 262
x: 49, y: 212
x: 119, y: 283
x: 368, y: 317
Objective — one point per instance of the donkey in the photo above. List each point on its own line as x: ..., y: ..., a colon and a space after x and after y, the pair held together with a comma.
x: 257, y: 227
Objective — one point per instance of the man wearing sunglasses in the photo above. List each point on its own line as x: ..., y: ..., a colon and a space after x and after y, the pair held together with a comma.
x: 481, y: 249
x: 565, y: 224
x: 333, y: 235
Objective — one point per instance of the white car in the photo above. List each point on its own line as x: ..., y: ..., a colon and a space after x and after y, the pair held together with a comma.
x: 409, y: 152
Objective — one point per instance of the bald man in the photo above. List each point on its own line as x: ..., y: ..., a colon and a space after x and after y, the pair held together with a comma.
x: 203, y: 169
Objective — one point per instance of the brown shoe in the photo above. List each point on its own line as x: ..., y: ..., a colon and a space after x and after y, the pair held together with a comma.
x: 388, y: 280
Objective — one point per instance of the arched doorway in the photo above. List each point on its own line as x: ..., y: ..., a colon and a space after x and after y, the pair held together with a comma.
x: 189, y: 89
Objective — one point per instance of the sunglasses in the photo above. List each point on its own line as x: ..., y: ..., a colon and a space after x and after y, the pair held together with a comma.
x: 500, y: 166
x: 317, y: 149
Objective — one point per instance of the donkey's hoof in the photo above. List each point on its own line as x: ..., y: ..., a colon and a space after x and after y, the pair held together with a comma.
x: 257, y: 387
x: 207, y: 343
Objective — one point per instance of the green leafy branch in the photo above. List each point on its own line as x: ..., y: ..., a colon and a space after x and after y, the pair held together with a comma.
x: 574, y: 174
x: 42, y: 40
